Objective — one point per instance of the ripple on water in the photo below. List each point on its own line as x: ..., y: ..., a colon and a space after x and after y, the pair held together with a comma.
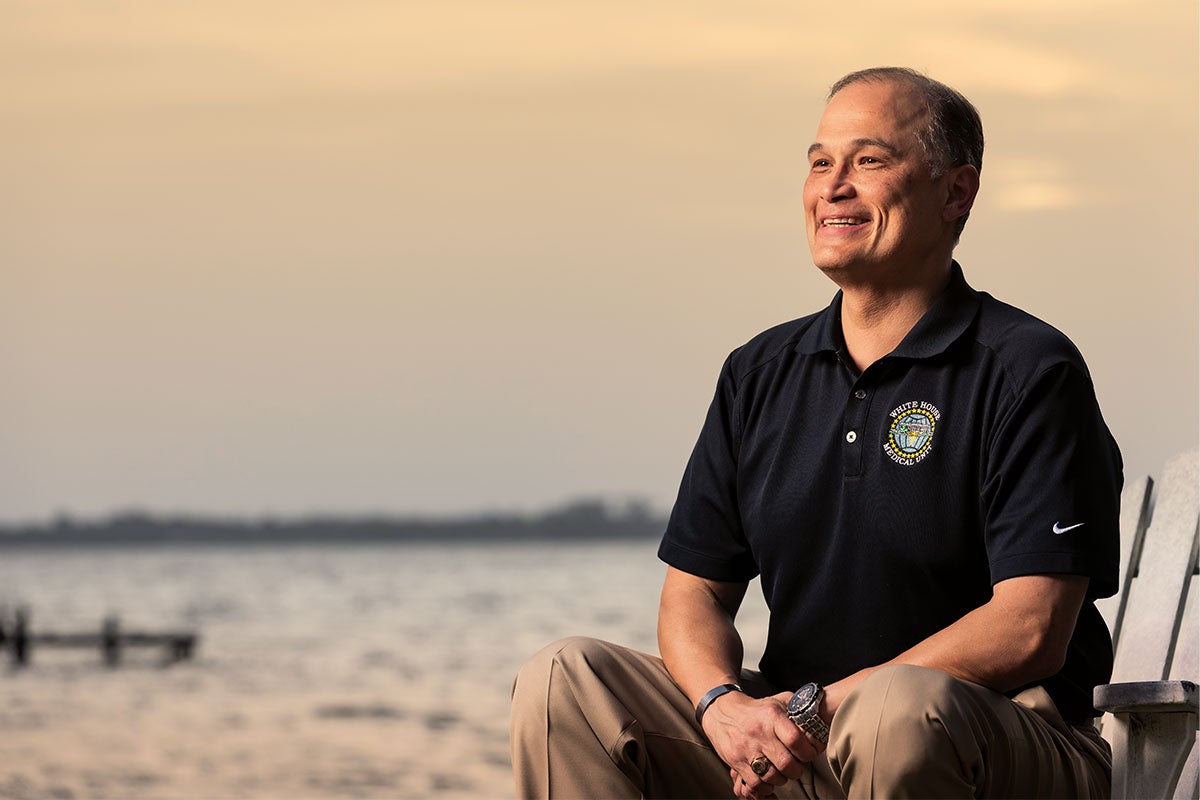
x: 350, y: 711
x: 443, y: 782
x: 441, y: 720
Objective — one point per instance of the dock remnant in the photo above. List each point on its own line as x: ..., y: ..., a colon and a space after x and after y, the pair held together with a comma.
x: 111, y: 640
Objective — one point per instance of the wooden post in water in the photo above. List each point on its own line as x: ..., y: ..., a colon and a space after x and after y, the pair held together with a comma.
x: 110, y: 641
x: 20, y: 644
x: 181, y: 647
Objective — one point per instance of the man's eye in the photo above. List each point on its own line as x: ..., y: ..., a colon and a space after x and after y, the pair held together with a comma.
x: 820, y: 163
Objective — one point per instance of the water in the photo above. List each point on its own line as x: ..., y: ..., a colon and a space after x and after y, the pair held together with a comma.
x: 322, y: 671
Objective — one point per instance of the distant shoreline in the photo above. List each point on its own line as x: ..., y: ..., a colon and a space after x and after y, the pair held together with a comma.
x: 584, y: 520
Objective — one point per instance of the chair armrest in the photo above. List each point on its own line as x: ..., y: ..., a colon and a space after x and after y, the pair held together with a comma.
x: 1147, y: 697
x: 1153, y: 729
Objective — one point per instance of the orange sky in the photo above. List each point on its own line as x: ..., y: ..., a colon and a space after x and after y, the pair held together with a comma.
x: 279, y: 257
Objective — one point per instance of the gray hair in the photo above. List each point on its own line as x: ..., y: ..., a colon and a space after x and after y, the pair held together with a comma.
x: 953, y: 133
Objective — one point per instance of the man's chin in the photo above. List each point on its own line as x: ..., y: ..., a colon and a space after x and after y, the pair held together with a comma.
x: 834, y: 269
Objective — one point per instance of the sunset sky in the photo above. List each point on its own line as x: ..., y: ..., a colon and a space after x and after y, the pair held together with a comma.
x: 266, y: 257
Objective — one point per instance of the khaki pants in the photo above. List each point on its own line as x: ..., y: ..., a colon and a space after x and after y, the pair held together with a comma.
x: 595, y: 720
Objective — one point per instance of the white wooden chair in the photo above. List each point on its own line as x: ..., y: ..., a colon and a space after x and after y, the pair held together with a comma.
x: 1152, y: 701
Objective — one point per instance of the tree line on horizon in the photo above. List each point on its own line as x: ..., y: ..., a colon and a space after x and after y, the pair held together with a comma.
x: 583, y: 519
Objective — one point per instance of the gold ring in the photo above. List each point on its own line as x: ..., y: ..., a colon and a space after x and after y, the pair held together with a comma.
x: 760, y: 766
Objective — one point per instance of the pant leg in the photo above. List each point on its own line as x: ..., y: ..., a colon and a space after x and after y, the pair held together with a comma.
x: 913, y: 732
x: 593, y: 719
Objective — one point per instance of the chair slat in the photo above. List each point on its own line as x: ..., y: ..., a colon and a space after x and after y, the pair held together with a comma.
x: 1135, y: 515
x: 1186, y: 664
x: 1153, y: 609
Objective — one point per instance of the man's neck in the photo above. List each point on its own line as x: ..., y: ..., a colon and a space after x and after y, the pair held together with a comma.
x: 876, y: 319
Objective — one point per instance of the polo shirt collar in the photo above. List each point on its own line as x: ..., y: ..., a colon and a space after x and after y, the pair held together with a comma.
x: 946, y: 320
x: 825, y: 334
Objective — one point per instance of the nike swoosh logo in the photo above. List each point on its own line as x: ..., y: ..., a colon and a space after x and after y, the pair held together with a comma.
x: 1057, y: 529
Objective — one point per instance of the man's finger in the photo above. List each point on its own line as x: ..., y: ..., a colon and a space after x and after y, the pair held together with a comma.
x: 743, y: 789
x: 802, y: 746
x: 758, y: 786
x: 786, y: 766
x: 768, y: 772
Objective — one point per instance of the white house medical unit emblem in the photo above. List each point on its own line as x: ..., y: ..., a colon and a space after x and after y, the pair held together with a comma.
x: 911, y: 434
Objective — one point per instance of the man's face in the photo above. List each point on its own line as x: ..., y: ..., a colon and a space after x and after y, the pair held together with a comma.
x: 873, y: 211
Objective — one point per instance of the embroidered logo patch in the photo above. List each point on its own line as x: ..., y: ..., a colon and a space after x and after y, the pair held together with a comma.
x: 911, y: 434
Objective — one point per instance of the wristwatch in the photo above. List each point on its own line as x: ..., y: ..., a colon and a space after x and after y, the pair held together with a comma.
x: 802, y: 709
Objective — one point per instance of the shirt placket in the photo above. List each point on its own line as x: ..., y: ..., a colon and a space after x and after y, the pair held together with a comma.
x: 854, y: 424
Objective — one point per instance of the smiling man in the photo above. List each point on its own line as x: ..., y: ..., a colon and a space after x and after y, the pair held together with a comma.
x: 920, y: 476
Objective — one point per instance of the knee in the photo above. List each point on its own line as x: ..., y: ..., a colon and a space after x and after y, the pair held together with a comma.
x: 575, y: 653
x: 569, y: 650
x: 899, y: 691
x: 911, y: 714
x: 560, y: 681
x: 899, y: 700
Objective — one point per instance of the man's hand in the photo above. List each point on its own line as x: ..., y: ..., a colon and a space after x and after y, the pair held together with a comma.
x: 742, y: 729
x: 702, y: 649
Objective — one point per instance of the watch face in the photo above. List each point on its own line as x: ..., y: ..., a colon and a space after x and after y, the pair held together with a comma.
x: 802, y: 698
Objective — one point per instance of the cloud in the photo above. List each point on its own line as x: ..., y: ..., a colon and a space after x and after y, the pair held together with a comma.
x: 1038, y: 197
x: 1033, y: 184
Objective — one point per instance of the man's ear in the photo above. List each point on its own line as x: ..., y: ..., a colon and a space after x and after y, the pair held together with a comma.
x: 962, y: 184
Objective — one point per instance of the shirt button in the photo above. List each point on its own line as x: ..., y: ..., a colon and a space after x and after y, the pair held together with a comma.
x: 851, y: 436
x: 860, y: 394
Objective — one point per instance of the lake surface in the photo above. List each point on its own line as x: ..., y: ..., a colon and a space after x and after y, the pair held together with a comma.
x: 322, y: 671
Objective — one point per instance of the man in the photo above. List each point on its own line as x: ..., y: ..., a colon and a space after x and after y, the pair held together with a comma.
x: 921, y: 477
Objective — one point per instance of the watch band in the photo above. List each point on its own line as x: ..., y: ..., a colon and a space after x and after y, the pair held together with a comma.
x: 713, y: 694
x: 815, y: 726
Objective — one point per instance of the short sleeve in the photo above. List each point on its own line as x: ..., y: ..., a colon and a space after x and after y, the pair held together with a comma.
x: 704, y: 535
x: 1051, y: 493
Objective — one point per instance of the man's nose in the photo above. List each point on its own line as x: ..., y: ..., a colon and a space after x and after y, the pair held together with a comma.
x: 837, y: 185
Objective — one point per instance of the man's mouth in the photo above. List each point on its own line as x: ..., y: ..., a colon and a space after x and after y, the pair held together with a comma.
x: 842, y: 222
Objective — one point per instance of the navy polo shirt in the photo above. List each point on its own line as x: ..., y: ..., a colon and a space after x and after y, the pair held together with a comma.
x: 880, y: 507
